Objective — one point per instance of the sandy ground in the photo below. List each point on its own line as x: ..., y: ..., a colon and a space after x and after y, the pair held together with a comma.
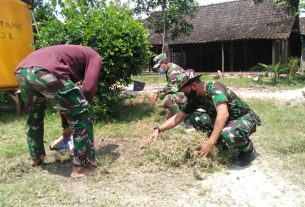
x: 275, y: 94
x: 279, y: 95
x: 131, y: 184
x: 252, y: 186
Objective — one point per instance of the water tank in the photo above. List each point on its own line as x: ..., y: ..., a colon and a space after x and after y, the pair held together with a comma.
x: 16, y: 39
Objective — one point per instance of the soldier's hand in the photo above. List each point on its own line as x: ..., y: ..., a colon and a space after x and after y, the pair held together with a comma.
x: 80, y: 84
x: 67, y: 132
x: 153, y: 100
x: 205, y: 148
x: 151, y: 138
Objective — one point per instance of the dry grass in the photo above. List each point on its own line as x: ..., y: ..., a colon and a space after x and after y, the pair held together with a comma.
x: 177, y: 149
x: 130, y: 176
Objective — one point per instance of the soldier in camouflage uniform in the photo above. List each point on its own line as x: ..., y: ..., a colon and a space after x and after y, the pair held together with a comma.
x: 171, y: 98
x: 223, y: 114
x: 52, y: 73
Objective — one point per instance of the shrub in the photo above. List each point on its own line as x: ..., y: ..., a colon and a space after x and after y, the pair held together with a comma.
x: 276, y: 70
x: 5, y: 99
x: 111, y: 31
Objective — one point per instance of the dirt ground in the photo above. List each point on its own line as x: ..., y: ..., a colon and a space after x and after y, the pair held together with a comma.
x: 281, y: 95
x: 132, y: 183
x: 256, y: 185
x: 129, y: 180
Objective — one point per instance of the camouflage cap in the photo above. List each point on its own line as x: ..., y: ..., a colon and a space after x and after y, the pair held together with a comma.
x: 187, y: 78
x: 159, y: 59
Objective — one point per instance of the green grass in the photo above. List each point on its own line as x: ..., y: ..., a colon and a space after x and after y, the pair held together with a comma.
x: 281, y: 137
x: 11, y: 135
x: 282, y: 134
x: 265, y: 83
x: 149, y: 79
x: 12, y: 132
x: 33, y: 190
x: 132, y: 115
x: 282, y: 130
x: 242, y: 81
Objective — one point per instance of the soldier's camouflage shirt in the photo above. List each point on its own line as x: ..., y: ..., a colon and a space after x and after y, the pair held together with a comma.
x: 217, y: 93
x: 172, y: 76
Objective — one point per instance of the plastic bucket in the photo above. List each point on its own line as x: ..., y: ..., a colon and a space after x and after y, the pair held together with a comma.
x: 138, y: 86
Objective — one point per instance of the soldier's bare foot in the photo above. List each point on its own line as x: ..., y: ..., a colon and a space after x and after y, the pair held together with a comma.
x: 37, y: 161
x: 82, y: 171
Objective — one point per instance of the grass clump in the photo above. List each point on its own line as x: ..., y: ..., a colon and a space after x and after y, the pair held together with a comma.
x: 177, y: 149
x: 13, y: 168
x: 34, y: 190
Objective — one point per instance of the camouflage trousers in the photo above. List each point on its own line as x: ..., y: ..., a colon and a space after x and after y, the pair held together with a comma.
x: 235, y: 134
x: 37, y: 85
x: 173, y: 102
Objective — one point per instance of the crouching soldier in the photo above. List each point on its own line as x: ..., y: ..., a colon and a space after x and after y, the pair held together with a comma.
x: 52, y: 73
x: 223, y: 113
x: 171, y: 98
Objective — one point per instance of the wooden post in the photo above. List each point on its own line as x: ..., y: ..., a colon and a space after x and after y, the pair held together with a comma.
x: 275, y: 52
x: 246, y: 55
x: 183, y: 56
x: 231, y: 55
x: 222, y: 57
x: 303, y: 53
x: 284, y: 51
x: 14, y: 94
x: 200, y: 59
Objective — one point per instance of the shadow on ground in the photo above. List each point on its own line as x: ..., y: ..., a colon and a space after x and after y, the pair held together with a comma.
x: 62, y: 164
x: 108, y: 151
x: 131, y: 108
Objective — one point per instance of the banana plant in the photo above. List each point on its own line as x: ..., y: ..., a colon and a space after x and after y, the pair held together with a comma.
x: 276, y: 70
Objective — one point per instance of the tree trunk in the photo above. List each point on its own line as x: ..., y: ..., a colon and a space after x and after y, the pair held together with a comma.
x: 164, y: 38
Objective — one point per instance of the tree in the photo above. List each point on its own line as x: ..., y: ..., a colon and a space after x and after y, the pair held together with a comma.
x: 64, y: 3
x: 41, y: 12
x: 172, y: 18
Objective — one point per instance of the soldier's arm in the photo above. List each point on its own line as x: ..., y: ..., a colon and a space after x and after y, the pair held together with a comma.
x: 164, y: 91
x: 220, y: 122
x: 168, y: 124
x: 160, y: 94
x: 153, y: 99
x: 91, y: 77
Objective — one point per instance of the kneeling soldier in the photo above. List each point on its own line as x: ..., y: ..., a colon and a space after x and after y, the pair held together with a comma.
x: 222, y: 113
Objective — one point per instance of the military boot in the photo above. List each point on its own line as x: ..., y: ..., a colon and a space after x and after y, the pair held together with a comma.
x: 245, y: 158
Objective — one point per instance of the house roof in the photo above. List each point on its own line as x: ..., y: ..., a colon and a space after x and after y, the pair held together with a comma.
x: 235, y: 20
